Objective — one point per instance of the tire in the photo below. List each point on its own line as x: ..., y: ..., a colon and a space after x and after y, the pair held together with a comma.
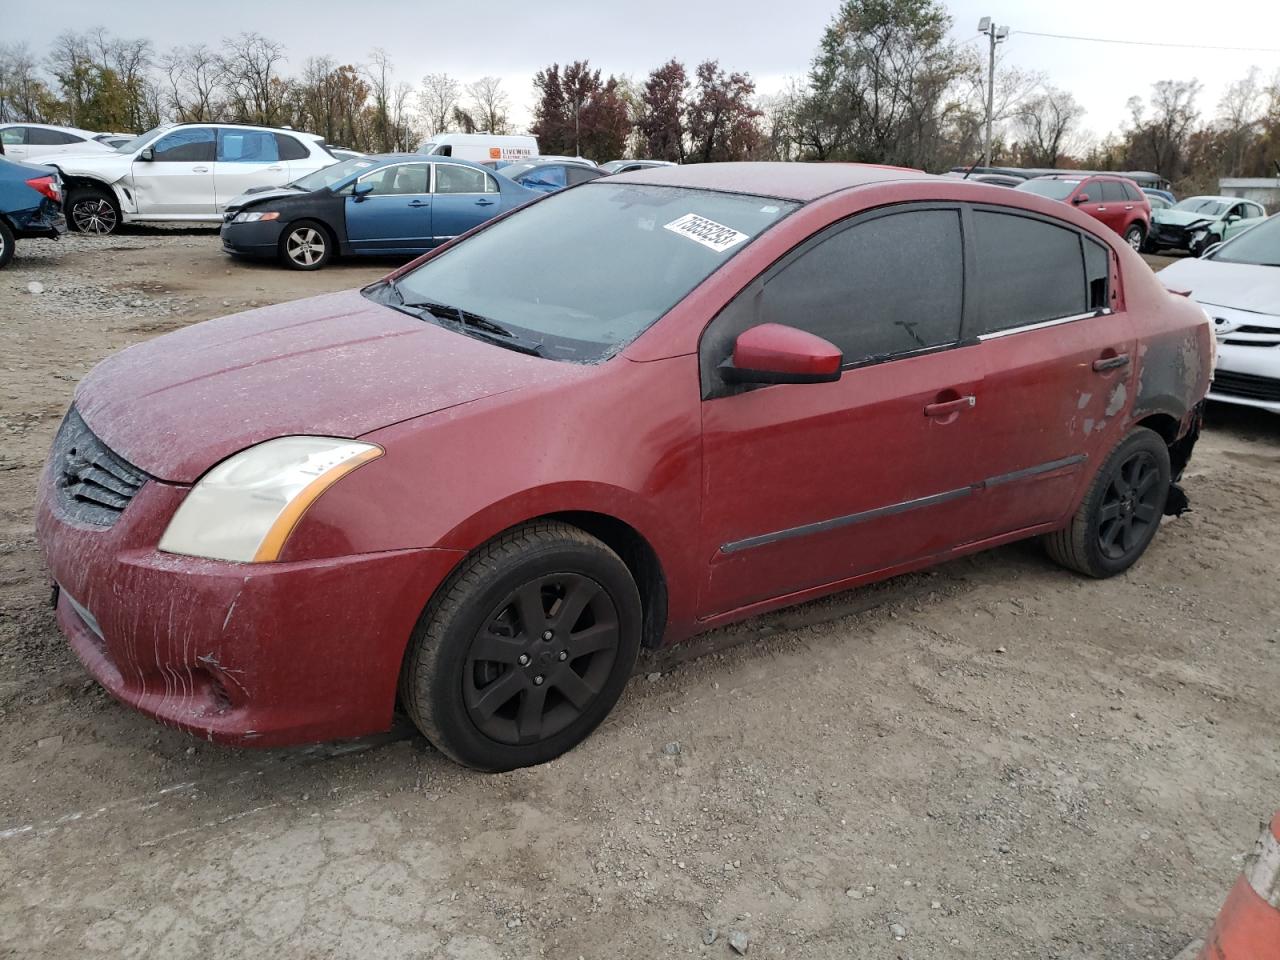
x: 1120, y: 512
x: 496, y: 676
x: 1135, y: 237
x: 306, y: 245
x: 92, y: 210
x: 7, y: 244
x: 1197, y: 250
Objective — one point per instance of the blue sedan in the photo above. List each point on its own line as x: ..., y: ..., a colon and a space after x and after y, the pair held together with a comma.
x: 384, y: 205
x: 30, y: 205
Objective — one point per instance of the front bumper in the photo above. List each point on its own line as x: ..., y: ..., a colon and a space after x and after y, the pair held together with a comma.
x: 1173, y: 237
x: 252, y: 654
x: 1248, y: 371
x: 251, y: 239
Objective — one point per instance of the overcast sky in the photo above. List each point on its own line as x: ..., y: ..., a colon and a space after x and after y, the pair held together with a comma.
x: 770, y: 39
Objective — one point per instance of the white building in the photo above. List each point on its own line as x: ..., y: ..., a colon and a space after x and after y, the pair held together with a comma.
x: 1263, y: 190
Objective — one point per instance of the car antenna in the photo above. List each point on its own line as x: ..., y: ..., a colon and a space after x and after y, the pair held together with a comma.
x: 972, y: 167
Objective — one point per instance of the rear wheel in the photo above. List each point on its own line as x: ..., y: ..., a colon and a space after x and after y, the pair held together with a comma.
x: 306, y: 245
x: 1134, y: 236
x: 92, y: 210
x: 1121, y: 512
x: 525, y: 649
x: 6, y: 243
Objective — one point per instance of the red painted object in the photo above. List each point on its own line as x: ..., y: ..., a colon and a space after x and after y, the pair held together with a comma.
x: 1114, y: 201
x: 1248, y: 925
x: 725, y: 495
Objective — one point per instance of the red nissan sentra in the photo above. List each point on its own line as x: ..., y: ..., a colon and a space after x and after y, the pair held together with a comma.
x: 637, y: 409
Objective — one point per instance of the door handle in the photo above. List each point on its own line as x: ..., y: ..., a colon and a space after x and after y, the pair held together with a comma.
x: 1128, y: 206
x: 419, y: 203
x: 947, y: 407
x: 199, y: 169
x: 1111, y: 363
x: 484, y: 203
x: 275, y: 169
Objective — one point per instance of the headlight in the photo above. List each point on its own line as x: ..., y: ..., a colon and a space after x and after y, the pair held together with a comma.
x: 245, y: 508
x: 254, y: 216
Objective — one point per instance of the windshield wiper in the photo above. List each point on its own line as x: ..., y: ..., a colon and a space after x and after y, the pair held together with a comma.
x: 473, y: 323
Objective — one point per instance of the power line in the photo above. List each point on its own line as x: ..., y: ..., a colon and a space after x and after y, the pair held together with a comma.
x: 1147, y: 43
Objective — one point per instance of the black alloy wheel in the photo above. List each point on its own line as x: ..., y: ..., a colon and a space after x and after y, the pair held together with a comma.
x: 541, y: 659
x: 1132, y: 504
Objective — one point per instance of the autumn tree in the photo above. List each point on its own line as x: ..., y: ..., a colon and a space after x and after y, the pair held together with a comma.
x: 1044, y: 124
x: 251, y: 73
x: 436, y: 100
x: 1158, y: 130
x: 661, y: 121
x: 489, y: 105
x: 578, y: 113
x: 720, y: 115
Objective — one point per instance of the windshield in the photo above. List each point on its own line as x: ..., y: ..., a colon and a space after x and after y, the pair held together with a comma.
x: 1206, y: 205
x: 328, y: 176
x: 1258, y: 245
x: 1053, y: 189
x: 137, y: 143
x: 586, y: 271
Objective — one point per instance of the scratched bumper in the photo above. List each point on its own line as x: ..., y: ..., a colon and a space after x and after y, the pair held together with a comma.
x: 252, y: 654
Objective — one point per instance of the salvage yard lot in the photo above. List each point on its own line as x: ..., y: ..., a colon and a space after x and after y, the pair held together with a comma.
x: 999, y: 757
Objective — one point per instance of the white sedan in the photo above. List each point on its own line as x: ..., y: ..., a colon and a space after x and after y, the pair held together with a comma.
x: 22, y: 141
x: 1238, y: 284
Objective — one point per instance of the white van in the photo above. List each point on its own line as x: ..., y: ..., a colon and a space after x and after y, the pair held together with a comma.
x: 481, y: 147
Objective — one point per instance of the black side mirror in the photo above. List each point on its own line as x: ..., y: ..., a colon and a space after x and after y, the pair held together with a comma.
x: 147, y: 154
x: 1083, y: 198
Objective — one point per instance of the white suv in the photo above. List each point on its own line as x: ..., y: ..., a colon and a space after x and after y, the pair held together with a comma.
x: 184, y: 171
x: 23, y: 140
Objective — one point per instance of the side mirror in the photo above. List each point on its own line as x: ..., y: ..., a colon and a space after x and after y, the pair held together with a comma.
x: 147, y: 154
x: 773, y: 353
x: 362, y: 190
x: 1082, y: 198
x: 1233, y: 218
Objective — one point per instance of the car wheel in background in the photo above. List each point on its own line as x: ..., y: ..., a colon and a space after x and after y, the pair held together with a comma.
x: 1121, y: 511
x: 525, y: 648
x: 1198, y: 249
x: 1135, y: 236
x: 92, y: 210
x: 306, y: 245
x: 6, y: 243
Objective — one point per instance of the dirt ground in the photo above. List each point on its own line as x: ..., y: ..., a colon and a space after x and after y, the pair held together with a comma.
x: 993, y: 759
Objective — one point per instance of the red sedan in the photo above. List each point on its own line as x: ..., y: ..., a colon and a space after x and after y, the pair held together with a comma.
x: 629, y: 412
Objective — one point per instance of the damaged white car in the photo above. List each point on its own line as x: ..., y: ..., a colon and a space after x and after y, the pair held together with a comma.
x: 1238, y: 284
x: 181, y: 172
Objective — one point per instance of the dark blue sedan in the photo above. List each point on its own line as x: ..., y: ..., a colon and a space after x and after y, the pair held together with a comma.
x: 30, y: 205
x: 384, y: 205
x: 548, y: 174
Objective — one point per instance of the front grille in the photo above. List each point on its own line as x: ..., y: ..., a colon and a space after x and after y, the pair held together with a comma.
x: 1246, y: 385
x: 92, y: 484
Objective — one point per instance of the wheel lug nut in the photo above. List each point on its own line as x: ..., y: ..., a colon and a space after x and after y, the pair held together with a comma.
x: 564, y: 654
x: 537, y: 681
x: 524, y: 659
x: 547, y: 634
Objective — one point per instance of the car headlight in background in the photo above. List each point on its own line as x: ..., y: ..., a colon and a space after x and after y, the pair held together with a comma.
x: 245, y: 508
x: 254, y: 216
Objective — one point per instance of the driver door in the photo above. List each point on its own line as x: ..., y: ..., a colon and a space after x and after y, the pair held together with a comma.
x: 177, y: 181
x: 395, y: 216
x: 813, y: 484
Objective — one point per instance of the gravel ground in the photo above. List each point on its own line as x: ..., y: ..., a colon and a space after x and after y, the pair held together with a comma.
x: 994, y: 758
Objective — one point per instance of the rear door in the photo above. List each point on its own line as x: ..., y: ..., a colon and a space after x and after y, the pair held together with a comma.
x: 813, y: 484
x: 396, y: 215
x: 1113, y: 210
x: 464, y: 197
x: 178, y: 180
x: 1057, y: 354
x: 246, y: 159
x: 297, y: 157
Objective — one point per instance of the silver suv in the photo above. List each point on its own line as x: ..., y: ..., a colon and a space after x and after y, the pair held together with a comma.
x: 181, y: 172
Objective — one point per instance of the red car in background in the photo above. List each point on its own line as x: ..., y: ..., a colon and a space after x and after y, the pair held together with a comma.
x: 1116, y: 201
x: 485, y: 482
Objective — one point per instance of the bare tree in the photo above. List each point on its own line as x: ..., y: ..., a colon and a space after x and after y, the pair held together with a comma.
x: 436, y: 100
x: 1239, y: 113
x: 401, y: 117
x: 251, y: 65
x: 23, y: 95
x: 72, y: 64
x: 194, y: 82
x: 1157, y: 142
x: 1044, y: 124
x: 489, y: 105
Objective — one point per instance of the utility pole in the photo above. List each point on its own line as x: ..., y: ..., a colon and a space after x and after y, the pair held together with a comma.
x: 995, y: 35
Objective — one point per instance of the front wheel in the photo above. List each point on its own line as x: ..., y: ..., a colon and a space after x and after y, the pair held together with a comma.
x: 306, y: 245
x: 525, y: 649
x: 1121, y: 512
x: 92, y: 210
x: 1198, y: 249
x: 1134, y: 236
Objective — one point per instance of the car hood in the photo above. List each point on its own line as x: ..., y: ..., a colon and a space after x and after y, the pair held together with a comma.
x: 110, y: 165
x: 1241, y: 286
x: 258, y: 194
x: 336, y: 365
x: 1181, y: 218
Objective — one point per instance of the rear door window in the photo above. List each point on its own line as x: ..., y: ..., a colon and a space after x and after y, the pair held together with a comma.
x: 247, y: 146
x: 1029, y: 271
x: 1112, y: 192
x: 1132, y: 193
x: 13, y: 136
x: 39, y: 136
x: 454, y: 178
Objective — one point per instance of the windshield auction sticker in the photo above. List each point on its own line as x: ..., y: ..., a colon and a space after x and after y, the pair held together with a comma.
x: 706, y: 232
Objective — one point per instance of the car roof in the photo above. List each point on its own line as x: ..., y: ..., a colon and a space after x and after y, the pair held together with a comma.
x: 385, y: 159
x: 51, y: 126
x: 786, y: 181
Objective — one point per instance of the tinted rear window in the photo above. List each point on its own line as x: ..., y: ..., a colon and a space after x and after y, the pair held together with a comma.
x: 1029, y: 271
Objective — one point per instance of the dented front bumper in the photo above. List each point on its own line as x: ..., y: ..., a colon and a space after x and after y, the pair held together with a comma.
x: 262, y: 654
